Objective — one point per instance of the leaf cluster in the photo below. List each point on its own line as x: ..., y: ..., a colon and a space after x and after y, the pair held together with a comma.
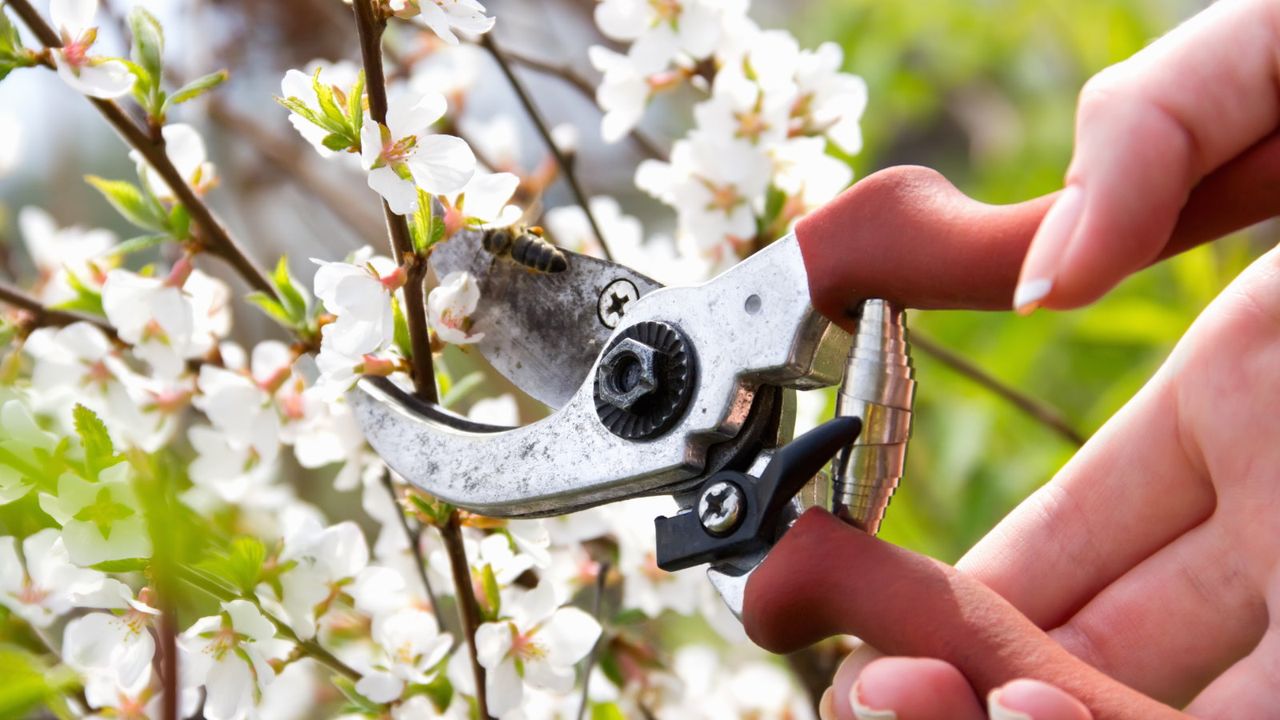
x: 339, y: 113
x: 146, y: 63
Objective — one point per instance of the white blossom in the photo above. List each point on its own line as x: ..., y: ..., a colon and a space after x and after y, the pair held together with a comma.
x: 450, y: 305
x: 90, y: 74
x: 46, y: 586
x: 165, y: 323
x: 412, y: 649
x: 62, y: 253
x: 402, y: 156
x: 483, y: 202
x: 186, y: 151
x: 360, y: 294
x: 227, y: 654
x: 537, y: 646
x: 117, y: 641
x: 661, y: 29
x: 324, y: 560
x: 443, y: 17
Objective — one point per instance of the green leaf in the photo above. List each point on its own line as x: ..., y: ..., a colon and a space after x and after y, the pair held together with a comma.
x: 271, y: 307
x: 12, y: 53
x: 86, y: 300
x: 138, y: 244
x: 129, y: 200
x: 328, y: 105
x: 402, y: 340
x: 492, y: 594
x: 336, y: 142
x: 360, y: 703
x: 292, y: 300
x: 607, y: 711
x: 28, y: 684
x: 148, y: 41
x: 122, y: 566
x: 244, y: 562
x: 633, y: 616
x: 197, y: 87
x: 179, y: 222
x: 439, y: 691
x: 422, y: 224
x: 355, y: 108
x: 99, y: 452
x: 462, y: 388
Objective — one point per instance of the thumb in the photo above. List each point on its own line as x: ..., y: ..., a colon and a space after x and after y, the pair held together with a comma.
x: 826, y: 578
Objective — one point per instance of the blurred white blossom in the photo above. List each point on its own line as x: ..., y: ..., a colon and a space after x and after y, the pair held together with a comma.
x: 40, y: 584
x: 450, y: 305
x: 85, y: 72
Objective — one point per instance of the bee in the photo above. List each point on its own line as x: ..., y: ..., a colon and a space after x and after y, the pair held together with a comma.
x: 525, y: 246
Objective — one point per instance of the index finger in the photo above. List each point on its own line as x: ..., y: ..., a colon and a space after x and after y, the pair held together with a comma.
x: 908, y: 235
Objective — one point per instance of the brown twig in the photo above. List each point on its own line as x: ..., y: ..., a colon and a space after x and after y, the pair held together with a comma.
x: 468, y: 608
x: 370, y: 25
x: 168, y: 632
x: 42, y: 316
x: 291, y: 158
x: 566, y: 168
x: 310, y: 648
x: 1033, y: 408
x: 214, y: 236
x: 646, y: 145
x: 414, y: 536
x: 602, y: 574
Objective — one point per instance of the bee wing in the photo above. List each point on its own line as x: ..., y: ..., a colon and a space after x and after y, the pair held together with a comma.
x: 542, y: 331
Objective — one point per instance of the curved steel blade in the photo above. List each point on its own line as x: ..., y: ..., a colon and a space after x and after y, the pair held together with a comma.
x: 542, y: 331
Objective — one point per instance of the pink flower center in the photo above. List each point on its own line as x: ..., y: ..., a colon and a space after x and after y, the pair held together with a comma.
x: 668, y: 11
x: 31, y: 594
x: 723, y: 197
x: 751, y: 125
x: 525, y: 647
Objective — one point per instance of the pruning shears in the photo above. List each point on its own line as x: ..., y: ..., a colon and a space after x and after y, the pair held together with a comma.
x: 684, y: 391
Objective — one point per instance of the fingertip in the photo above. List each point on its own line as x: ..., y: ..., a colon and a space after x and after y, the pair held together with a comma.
x: 1034, y: 700
x: 905, y: 688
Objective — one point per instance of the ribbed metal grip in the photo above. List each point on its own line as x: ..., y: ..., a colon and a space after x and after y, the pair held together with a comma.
x: 878, y: 387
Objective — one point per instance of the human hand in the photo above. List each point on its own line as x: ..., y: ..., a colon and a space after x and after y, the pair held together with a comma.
x: 1170, y: 501
x: 1149, y: 557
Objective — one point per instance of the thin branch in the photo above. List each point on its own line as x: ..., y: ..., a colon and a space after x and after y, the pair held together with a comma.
x: 290, y: 158
x: 215, y: 237
x: 370, y: 25
x: 566, y: 168
x: 310, y: 648
x: 1037, y: 410
x: 168, y: 632
x: 590, y: 663
x: 42, y: 316
x: 646, y: 145
x: 414, y: 535
x: 468, y: 609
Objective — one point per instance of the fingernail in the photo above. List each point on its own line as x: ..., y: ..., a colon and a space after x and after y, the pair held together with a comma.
x: 827, y: 706
x: 862, y: 712
x: 999, y: 712
x: 1041, y: 264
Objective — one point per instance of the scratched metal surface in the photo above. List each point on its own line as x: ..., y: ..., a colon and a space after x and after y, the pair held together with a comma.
x: 542, y: 331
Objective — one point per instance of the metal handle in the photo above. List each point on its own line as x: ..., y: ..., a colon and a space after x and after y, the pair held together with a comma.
x: 879, y: 387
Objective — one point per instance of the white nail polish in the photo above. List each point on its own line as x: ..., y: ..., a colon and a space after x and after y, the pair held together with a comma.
x: 1029, y: 294
x: 996, y: 711
x: 862, y: 712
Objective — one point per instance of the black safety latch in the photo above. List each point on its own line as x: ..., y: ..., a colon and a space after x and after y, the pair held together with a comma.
x: 737, y: 514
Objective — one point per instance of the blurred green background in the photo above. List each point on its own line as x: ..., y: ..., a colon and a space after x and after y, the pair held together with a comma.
x: 985, y: 92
